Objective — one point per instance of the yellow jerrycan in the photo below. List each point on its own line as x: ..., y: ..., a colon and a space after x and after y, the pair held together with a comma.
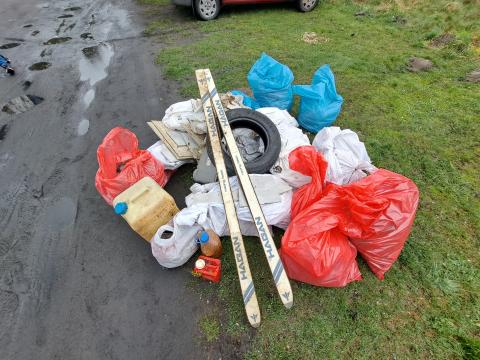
x: 145, y: 206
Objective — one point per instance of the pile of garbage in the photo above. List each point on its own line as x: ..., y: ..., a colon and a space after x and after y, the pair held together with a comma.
x: 332, y: 202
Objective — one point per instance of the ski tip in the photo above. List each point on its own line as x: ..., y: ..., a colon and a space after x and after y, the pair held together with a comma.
x: 289, y: 304
x: 255, y: 323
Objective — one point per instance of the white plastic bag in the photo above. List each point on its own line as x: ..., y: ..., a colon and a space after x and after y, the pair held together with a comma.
x: 291, y: 137
x: 275, y: 204
x: 161, y: 152
x: 176, y: 249
x: 347, y: 157
x: 186, y: 116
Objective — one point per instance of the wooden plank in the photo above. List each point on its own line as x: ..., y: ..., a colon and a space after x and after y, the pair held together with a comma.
x: 180, y: 152
x: 279, y: 275
x: 243, y: 269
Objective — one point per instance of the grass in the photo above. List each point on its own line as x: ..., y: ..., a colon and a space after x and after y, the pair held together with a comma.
x: 209, y: 327
x: 425, y: 126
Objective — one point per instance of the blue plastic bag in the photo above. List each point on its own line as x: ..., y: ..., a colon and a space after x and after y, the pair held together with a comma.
x: 247, y: 100
x: 271, y: 83
x: 320, y: 103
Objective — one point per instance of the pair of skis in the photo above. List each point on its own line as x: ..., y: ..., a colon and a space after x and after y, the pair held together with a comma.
x: 213, y: 110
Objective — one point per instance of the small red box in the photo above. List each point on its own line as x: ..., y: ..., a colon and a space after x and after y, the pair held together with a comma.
x: 211, y: 271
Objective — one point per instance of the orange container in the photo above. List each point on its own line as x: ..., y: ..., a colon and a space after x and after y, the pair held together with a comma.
x: 208, y: 268
x: 210, y: 243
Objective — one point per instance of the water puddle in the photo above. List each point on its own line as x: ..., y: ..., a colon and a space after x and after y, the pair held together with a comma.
x: 27, y: 26
x: 26, y: 84
x: 61, y: 213
x: 94, y: 69
x: 88, y: 97
x: 9, y: 45
x: 117, y: 19
x: 57, y: 40
x: 73, y: 8
x: 42, y: 65
x: 83, y: 126
x: 5, y: 159
x: 35, y: 33
x: 65, y: 16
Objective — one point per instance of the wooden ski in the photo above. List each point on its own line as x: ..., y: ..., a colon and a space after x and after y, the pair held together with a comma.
x: 243, y: 269
x: 279, y: 275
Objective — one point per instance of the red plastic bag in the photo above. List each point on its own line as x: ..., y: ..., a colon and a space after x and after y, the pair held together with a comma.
x: 307, y: 161
x: 378, y: 216
x: 121, y: 164
x: 313, y: 249
x: 376, y: 213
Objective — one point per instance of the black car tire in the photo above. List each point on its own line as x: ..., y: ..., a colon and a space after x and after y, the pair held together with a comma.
x: 206, y: 9
x: 306, y: 5
x: 265, y: 128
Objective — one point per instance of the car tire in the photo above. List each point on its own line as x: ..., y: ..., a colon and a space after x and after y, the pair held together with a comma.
x: 206, y: 9
x: 265, y: 128
x: 306, y: 5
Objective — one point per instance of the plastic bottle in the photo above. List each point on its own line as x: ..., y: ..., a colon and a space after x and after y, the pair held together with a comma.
x: 210, y: 243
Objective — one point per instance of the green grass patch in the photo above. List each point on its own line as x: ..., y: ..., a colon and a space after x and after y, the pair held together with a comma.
x: 425, y: 126
x: 209, y: 327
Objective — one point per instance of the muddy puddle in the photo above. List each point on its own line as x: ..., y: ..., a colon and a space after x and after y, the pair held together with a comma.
x: 86, y: 36
x: 42, y: 65
x: 26, y: 84
x: 57, y: 40
x: 3, y: 131
x: 35, y: 33
x: 90, y: 52
x: 9, y: 45
x: 46, y: 52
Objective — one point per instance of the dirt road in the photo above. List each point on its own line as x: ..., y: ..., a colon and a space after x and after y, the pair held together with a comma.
x: 75, y: 281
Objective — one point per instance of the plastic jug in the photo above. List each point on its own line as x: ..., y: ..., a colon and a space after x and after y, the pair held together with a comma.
x: 210, y: 243
x: 145, y: 206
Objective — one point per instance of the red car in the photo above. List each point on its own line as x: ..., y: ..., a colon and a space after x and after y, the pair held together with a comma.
x: 209, y: 9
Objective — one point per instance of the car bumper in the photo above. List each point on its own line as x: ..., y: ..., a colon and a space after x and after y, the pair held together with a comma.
x: 182, y: 2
